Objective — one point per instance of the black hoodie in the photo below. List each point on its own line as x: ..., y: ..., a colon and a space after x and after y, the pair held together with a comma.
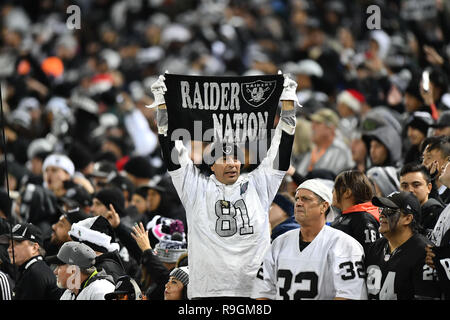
x: 111, y: 263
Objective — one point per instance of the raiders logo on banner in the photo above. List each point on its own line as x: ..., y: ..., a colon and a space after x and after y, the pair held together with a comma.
x: 227, y: 149
x: 257, y: 92
x: 229, y: 109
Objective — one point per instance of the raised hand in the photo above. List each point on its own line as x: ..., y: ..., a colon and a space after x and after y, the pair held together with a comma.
x: 158, y: 89
x: 289, y: 90
x: 141, y: 236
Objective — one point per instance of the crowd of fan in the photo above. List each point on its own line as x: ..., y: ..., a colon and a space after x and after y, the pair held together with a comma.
x: 79, y: 138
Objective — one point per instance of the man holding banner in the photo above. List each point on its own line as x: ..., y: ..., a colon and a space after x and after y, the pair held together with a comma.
x: 227, y: 213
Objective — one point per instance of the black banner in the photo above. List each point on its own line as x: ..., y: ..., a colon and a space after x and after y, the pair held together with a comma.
x: 229, y: 109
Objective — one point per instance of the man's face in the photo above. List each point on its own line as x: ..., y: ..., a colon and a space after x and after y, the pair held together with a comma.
x: 415, y: 136
x: 308, y: 208
x: 139, y: 202
x: 434, y: 155
x: 153, y: 199
x: 67, y: 276
x: 227, y: 169
x: 36, y: 166
x: 444, y: 178
x: 98, y: 208
x: 444, y: 131
x: 23, y: 251
x: 62, y: 275
x: 378, y: 152
x: 99, y: 183
x: 320, y: 131
x: 359, y: 150
x: 394, y: 222
x: 411, y: 103
x: 415, y: 182
x: 388, y: 221
x: 54, y: 177
x: 60, y: 231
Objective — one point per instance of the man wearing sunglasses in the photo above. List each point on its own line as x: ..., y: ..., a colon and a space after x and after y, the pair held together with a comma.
x: 396, y: 268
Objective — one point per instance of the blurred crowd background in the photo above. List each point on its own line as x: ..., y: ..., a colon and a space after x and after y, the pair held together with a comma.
x: 83, y: 91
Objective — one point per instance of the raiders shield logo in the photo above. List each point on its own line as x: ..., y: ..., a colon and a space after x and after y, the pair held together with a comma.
x: 227, y: 149
x: 257, y: 92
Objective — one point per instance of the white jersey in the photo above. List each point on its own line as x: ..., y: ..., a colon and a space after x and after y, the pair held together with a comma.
x: 330, y: 266
x: 228, y: 225
x: 441, y: 227
x: 96, y: 290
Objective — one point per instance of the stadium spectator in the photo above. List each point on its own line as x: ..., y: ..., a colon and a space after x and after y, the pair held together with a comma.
x: 395, y: 263
x: 359, y: 218
x: 35, y: 279
x: 442, y: 126
x: 81, y: 90
x: 328, y: 151
x: 158, y: 264
x: 435, y: 151
x: 76, y: 272
x: 415, y: 178
x: 281, y: 215
x: 293, y: 256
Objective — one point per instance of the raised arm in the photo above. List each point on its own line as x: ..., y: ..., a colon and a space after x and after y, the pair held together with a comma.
x: 271, y: 171
x: 288, y: 98
x: 170, y: 158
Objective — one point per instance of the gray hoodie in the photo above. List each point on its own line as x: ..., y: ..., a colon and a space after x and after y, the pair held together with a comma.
x: 390, y: 138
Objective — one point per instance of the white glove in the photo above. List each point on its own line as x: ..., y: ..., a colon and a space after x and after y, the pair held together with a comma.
x: 290, y: 90
x: 158, y: 89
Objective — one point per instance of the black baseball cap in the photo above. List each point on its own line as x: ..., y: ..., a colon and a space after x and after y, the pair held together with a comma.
x: 75, y: 215
x: 443, y: 121
x: 218, y: 150
x: 403, y: 200
x: 21, y: 232
x: 125, y: 285
x: 103, y: 168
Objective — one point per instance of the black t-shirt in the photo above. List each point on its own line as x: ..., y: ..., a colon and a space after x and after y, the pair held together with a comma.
x: 401, y: 274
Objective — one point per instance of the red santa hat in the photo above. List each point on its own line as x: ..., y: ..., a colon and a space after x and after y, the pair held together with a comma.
x: 352, y: 98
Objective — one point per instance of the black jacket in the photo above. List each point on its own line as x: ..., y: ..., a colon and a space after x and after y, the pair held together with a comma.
x: 431, y: 211
x: 111, y: 263
x: 283, y: 227
x: 157, y: 273
x: 36, y: 281
x: 445, y: 196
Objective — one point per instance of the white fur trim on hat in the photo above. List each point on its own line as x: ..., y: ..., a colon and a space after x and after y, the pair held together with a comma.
x: 60, y: 161
x: 318, y: 187
x: 98, y: 238
x: 348, y: 99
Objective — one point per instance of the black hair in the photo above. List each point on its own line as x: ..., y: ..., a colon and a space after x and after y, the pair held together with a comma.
x: 415, y: 167
x: 441, y: 143
x: 439, y: 79
x: 184, y: 295
x: 359, y: 184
